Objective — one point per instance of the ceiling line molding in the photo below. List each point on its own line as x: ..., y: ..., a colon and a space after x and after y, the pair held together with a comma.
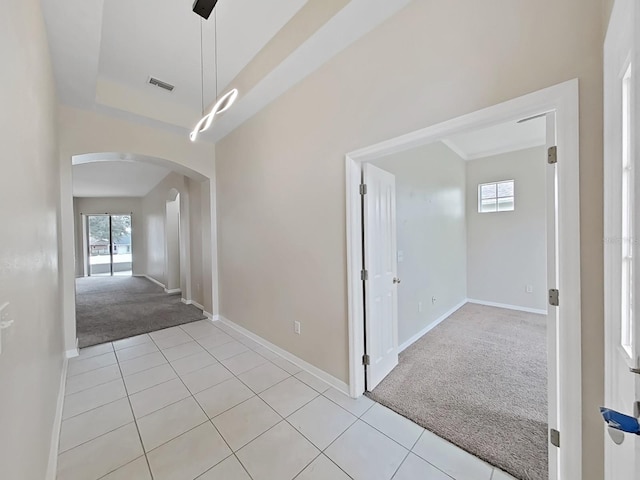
x: 455, y: 149
x: 515, y: 147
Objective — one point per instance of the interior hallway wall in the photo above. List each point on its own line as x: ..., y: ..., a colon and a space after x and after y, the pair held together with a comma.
x: 154, y: 217
x: 281, y: 175
x: 195, y: 239
x: 194, y: 223
x: 31, y: 361
x: 172, y: 246
x: 112, y: 205
x: 431, y: 234
x: 506, y: 251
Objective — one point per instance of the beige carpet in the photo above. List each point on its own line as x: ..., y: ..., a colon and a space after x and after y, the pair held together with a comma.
x: 112, y: 308
x: 479, y: 380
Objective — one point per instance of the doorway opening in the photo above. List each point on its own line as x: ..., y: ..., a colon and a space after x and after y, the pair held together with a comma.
x: 109, y: 246
x: 456, y: 263
x: 562, y: 232
x: 133, y: 270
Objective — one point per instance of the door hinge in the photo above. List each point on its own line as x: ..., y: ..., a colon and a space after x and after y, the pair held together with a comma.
x: 552, y: 155
x: 363, y: 189
x: 554, y: 437
x: 554, y: 297
x: 364, y: 275
x: 366, y: 360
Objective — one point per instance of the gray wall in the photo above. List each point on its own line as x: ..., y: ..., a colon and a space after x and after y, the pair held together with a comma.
x: 32, y: 349
x: 431, y: 234
x: 507, y: 250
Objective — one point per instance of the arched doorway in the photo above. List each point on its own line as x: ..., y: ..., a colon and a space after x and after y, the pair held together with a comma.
x: 186, y: 199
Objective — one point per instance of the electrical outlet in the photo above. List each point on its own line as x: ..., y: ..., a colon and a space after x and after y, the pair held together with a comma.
x: 528, y: 288
x: 296, y: 327
x: 419, y: 307
x: 434, y: 300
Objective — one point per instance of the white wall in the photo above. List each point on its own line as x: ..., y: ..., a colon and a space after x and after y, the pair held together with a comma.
x: 172, y: 236
x: 431, y: 234
x: 112, y: 205
x: 281, y: 175
x: 31, y: 361
x: 195, y: 239
x: 154, y: 208
x: 507, y: 250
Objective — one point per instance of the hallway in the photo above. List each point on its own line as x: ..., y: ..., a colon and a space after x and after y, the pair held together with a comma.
x: 203, y: 401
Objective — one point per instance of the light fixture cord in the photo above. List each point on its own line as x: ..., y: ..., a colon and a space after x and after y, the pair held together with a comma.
x: 201, y: 70
x: 215, y: 25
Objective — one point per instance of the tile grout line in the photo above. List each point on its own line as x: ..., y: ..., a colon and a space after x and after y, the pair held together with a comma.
x: 205, y: 414
x: 211, y: 420
x: 256, y: 394
x: 135, y: 420
x: 424, y: 430
x: 234, y: 452
x: 400, y: 464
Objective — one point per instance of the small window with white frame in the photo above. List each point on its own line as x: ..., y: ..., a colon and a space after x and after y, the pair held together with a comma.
x: 496, y: 196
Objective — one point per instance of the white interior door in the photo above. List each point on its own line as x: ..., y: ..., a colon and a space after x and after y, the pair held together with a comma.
x: 381, y: 282
x: 622, y: 388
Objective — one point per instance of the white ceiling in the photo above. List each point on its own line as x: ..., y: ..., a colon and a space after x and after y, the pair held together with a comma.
x: 104, y: 52
x: 503, y: 138
x: 161, y: 38
x: 116, y: 178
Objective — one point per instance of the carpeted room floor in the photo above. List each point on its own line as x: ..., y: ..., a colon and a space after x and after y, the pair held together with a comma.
x: 479, y: 380
x: 112, y: 308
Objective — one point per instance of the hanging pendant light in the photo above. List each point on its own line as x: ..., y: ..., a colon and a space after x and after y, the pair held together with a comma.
x: 223, y: 103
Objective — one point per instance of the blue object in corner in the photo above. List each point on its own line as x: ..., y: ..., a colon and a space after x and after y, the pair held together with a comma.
x: 620, y: 421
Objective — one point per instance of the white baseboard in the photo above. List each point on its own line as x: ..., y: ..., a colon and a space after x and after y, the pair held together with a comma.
x: 315, y: 371
x: 71, y: 353
x: 151, y: 279
x: 172, y: 291
x: 508, y: 307
x: 196, y: 304
x: 210, y: 316
x: 431, y: 326
x: 52, y: 465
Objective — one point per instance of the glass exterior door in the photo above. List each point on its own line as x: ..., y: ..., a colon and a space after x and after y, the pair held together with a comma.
x: 109, y: 240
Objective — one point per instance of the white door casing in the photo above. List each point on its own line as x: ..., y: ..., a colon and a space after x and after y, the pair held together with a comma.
x: 563, y: 99
x: 621, y: 108
x: 552, y: 282
x: 380, y: 263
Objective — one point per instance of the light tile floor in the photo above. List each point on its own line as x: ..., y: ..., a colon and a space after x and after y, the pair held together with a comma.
x: 202, y: 401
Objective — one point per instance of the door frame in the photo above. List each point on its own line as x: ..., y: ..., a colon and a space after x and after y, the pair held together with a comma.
x: 87, y: 246
x: 621, y: 51
x: 564, y: 100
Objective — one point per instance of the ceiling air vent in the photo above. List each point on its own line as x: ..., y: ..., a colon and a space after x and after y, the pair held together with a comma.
x: 161, y: 84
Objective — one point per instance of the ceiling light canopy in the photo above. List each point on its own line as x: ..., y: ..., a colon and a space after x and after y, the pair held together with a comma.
x: 204, y: 7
